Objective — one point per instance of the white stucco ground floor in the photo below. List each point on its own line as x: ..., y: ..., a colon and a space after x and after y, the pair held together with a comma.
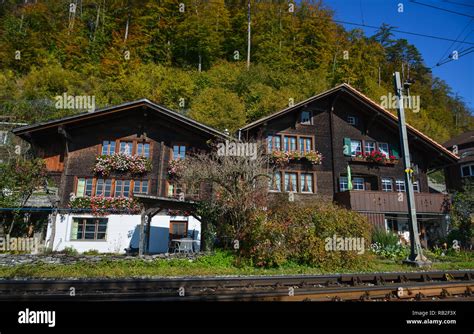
x: 115, y: 233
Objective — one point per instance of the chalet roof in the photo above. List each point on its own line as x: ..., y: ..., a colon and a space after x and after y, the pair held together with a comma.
x: 117, y: 108
x: 354, y: 92
x: 463, y: 138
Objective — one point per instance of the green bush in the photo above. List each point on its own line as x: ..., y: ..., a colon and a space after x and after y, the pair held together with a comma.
x: 70, y: 251
x: 383, y: 237
x: 298, y: 232
x: 91, y: 252
x: 392, y: 252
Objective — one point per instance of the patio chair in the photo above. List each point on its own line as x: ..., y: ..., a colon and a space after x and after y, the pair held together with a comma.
x: 186, y: 246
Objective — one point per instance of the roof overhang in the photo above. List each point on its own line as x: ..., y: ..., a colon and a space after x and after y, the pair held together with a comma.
x: 23, y: 131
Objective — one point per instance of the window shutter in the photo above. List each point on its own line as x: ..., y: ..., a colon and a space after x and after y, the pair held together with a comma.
x: 347, y: 147
x: 395, y: 151
x: 74, y: 229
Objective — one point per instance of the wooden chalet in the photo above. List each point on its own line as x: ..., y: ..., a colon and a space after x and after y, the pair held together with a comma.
x: 344, y: 126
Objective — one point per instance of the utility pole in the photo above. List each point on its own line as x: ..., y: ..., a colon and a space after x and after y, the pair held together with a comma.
x: 248, y: 37
x: 416, y: 254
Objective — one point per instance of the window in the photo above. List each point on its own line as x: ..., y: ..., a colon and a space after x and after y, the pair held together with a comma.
x: 103, y: 187
x: 467, y: 170
x: 178, y: 230
x: 84, y: 187
x: 343, y: 184
x: 369, y: 146
x: 3, y: 137
x: 383, y: 148
x: 291, y: 182
x: 122, y: 188
x: 140, y: 187
x: 356, y: 147
x: 174, y: 190
x: 108, y: 147
x: 274, y: 143
x: 143, y: 149
x: 89, y: 228
x: 179, y: 151
x: 352, y: 120
x: 416, y: 186
x: 400, y: 185
x: 306, y: 144
x: 275, y: 182
x: 306, y: 182
x: 358, y: 183
x: 290, y: 144
x: 126, y: 147
x: 305, y: 117
x: 387, y: 184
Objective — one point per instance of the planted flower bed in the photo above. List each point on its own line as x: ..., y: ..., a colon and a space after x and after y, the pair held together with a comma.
x: 122, y: 163
x: 375, y: 157
x: 101, y: 205
x: 283, y: 157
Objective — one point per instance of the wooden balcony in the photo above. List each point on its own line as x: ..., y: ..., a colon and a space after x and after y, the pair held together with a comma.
x: 388, y: 202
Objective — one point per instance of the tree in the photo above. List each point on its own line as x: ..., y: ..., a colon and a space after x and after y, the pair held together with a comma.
x: 218, y: 108
x: 18, y: 180
x: 462, y: 215
x: 238, y: 183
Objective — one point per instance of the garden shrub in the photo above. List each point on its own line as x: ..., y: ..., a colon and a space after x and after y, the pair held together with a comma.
x: 297, y: 232
x: 384, y: 237
x: 70, y: 251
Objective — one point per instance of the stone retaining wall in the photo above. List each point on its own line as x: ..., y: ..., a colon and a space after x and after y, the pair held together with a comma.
x: 19, y: 259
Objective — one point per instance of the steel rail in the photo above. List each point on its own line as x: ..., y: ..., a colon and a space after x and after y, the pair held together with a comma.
x: 319, y: 287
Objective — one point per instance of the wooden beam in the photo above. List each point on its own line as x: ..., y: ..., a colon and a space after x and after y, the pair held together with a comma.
x: 150, y: 213
x: 142, y: 233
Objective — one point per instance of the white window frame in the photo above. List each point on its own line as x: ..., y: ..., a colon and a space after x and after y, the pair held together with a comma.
x: 353, y: 141
x: 354, y: 183
x: 352, y: 120
x: 387, y: 152
x: 471, y: 170
x: 397, y: 188
x: 385, y: 181
x: 343, y: 184
x: 366, y: 144
x: 416, y: 186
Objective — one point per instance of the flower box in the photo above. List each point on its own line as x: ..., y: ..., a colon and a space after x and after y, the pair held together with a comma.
x: 175, y: 167
x: 375, y: 157
x: 121, y: 163
x: 284, y: 157
x: 101, y: 205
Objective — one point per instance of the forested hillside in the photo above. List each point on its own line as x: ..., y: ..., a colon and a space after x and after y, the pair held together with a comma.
x: 124, y: 50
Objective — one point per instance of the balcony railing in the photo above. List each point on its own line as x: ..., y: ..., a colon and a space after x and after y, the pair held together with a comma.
x: 392, y: 202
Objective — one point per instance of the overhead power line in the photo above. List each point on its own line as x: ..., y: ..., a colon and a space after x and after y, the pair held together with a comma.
x: 458, y: 3
x: 461, y: 54
x: 440, y: 8
x: 403, y: 32
x: 453, y: 43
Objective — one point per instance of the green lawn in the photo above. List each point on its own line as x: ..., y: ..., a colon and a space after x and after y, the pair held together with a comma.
x: 217, y: 264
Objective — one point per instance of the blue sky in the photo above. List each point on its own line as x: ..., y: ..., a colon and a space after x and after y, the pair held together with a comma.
x: 416, y: 18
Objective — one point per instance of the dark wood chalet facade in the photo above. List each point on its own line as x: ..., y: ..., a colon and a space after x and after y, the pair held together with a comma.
x: 71, y: 145
x: 342, y: 124
x: 457, y: 174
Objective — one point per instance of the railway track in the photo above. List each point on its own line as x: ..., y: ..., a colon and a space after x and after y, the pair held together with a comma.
x: 439, y: 285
